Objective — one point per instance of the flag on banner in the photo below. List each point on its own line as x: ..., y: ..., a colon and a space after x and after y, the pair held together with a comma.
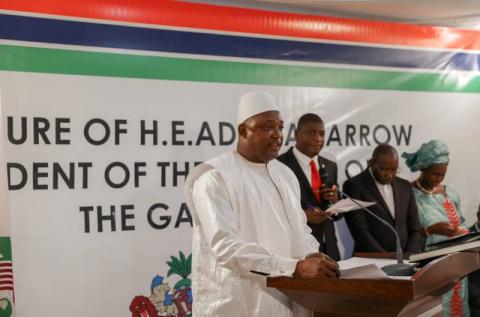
x: 6, y: 278
x: 6, y: 272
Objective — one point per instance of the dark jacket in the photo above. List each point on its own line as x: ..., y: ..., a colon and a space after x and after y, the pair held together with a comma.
x: 324, y: 232
x: 369, y: 234
x: 474, y: 286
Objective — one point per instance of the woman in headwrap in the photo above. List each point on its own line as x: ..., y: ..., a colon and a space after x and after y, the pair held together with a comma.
x: 439, y: 211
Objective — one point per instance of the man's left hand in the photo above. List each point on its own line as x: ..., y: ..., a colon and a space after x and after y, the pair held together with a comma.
x: 330, y: 194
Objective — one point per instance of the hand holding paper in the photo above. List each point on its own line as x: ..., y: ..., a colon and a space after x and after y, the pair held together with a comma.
x: 346, y: 205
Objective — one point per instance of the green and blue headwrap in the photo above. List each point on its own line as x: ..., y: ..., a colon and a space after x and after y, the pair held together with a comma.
x: 433, y: 152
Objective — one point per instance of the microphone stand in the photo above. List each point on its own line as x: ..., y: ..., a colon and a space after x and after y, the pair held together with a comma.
x: 400, y: 268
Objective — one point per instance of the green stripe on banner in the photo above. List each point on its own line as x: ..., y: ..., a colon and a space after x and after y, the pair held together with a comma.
x: 45, y: 60
x: 5, y: 249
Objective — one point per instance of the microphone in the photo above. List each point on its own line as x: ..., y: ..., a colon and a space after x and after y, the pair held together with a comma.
x: 328, y: 184
x: 400, y: 268
x: 324, y: 176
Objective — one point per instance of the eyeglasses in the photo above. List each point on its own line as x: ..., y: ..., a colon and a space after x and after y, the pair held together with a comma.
x: 387, y: 170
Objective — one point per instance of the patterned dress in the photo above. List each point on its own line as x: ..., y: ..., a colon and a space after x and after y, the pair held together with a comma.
x: 439, y: 207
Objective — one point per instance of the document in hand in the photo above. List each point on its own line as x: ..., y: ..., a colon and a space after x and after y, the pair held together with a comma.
x: 463, y: 238
x: 346, y: 205
x: 472, y: 246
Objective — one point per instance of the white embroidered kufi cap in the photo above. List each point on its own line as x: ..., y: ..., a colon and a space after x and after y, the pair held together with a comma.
x: 253, y: 103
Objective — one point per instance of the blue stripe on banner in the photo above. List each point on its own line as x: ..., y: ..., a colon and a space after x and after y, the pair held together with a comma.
x: 137, y: 38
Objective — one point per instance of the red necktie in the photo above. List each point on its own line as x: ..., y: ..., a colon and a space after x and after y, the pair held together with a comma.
x: 316, y: 181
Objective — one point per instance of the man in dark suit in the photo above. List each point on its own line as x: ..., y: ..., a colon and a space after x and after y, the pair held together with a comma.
x: 474, y: 279
x: 316, y: 193
x: 395, y: 204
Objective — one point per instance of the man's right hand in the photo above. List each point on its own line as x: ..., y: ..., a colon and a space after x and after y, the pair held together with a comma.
x: 443, y: 228
x: 318, y: 265
x: 315, y: 215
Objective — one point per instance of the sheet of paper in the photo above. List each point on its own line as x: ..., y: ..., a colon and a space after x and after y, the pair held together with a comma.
x: 364, y: 268
x: 357, y: 261
x: 346, y: 205
x: 370, y: 271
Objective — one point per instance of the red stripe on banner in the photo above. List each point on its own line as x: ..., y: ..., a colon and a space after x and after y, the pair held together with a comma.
x: 6, y: 276
x: 6, y: 271
x: 223, y: 18
x: 6, y: 288
x: 3, y: 283
x: 6, y: 264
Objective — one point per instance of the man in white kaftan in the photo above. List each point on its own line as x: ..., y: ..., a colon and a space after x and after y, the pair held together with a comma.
x: 248, y: 220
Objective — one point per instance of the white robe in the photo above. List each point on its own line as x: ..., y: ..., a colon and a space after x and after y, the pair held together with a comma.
x: 247, y: 217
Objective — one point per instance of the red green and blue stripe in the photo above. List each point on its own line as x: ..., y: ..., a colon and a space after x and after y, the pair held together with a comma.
x: 176, y: 40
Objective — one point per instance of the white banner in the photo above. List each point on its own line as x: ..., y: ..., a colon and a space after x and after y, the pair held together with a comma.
x: 96, y: 168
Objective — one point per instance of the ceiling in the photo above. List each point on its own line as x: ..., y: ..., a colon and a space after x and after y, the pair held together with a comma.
x: 452, y: 13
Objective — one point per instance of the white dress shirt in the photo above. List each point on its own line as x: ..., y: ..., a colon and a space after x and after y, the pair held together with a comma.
x: 387, y: 194
x: 304, y: 162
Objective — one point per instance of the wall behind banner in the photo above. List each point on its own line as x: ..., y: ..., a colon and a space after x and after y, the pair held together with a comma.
x: 104, y: 114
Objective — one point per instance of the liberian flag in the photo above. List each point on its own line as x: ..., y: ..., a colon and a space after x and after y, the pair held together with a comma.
x: 6, y: 278
x: 6, y: 274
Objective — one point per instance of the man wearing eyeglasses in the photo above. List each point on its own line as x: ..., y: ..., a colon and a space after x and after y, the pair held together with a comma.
x: 395, y: 204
